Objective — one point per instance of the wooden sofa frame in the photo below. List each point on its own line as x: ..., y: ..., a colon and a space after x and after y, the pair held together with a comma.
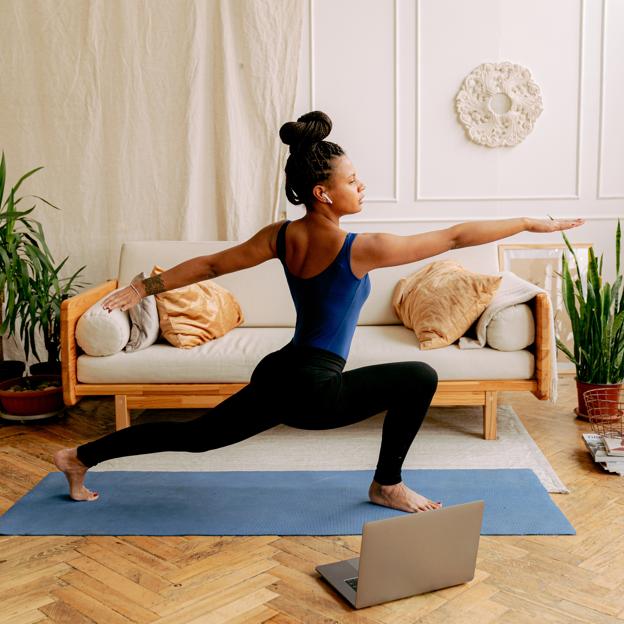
x: 198, y: 395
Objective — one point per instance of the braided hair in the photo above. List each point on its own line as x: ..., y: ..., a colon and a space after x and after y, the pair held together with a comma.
x: 310, y: 156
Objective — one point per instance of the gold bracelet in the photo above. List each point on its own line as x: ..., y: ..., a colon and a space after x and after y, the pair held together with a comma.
x: 136, y: 291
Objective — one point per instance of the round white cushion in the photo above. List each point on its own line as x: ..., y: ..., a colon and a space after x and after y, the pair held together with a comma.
x: 511, y: 329
x: 99, y: 332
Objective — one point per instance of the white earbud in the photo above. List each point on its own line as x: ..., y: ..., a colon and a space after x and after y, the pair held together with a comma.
x: 329, y: 201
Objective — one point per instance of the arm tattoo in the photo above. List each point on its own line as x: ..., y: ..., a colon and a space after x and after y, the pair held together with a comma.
x: 154, y: 285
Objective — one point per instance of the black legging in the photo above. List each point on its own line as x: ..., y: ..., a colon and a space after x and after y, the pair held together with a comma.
x: 302, y: 387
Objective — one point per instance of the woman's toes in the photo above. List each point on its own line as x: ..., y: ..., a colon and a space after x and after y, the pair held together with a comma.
x: 84, y: 495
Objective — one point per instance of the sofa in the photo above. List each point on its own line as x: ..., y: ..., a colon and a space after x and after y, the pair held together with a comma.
x: 163, y: 376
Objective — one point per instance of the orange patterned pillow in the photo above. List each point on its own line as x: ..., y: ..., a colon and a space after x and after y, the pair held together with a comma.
x: 441, y: 301
x: 197, y: 313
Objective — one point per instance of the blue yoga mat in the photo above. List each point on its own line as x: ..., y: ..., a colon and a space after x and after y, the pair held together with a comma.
x: 271, y: 503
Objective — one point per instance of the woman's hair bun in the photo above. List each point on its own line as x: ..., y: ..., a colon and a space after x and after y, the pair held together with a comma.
x: 308, y: 129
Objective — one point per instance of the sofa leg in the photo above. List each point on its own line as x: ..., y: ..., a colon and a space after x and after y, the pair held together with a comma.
x: 122, y: 414
x: 489, y: 415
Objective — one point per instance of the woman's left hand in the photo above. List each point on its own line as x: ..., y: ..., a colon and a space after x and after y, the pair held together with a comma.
x: 552, y: 225
x: 123, y: 299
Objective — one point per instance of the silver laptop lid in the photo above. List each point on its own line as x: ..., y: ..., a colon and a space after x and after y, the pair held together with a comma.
x: 418, y: 553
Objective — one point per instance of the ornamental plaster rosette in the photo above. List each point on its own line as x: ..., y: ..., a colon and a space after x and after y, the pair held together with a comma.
x: 498, y: 104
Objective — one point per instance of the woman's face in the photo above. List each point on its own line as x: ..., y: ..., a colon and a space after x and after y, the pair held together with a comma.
x: 343, y: 187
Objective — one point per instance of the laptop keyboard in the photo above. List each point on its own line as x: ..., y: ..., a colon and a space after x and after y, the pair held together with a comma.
x: 352, y: 583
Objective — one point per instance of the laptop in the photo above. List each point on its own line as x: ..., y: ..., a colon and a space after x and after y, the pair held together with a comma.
x: 410, y: 554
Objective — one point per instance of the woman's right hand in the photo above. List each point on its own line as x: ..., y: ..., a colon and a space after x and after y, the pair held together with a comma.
x: 552, y: 225
x: 123, y: 299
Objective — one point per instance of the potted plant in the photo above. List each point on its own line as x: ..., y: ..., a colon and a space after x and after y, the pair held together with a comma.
x: 596, y: 311
x: 35, y: 291
x: 17, y: 230
x: 41, y: 291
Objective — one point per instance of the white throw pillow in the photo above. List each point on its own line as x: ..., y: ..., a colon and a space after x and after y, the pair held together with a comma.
x: 511, y: 329
x: 145, y: 324
x: 100, y: 332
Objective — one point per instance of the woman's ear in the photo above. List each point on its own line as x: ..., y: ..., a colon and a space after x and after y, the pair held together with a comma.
x: 321, y: 195
x: 317, y: 193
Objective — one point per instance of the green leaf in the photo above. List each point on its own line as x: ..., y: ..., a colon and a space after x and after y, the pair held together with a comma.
x: 43, y: 243
x: 44, y: 200
x: 569, y: 246
x: 26, y: 175
x: 618, y: 237
x: 562, y: 347
x: 568, y: 297
x: 592, y: 270
x: 14, y: 214
x: 2, y: 177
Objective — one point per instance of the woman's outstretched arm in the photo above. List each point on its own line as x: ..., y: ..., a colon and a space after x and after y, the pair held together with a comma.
x: 376, y: 250
x: 259, y: 248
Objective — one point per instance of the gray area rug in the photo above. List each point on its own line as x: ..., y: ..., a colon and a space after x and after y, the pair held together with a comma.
x: 450, y: 437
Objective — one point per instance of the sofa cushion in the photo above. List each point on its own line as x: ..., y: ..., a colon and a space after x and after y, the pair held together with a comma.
x: 442, y: 300
x: 145, y: 325
x: 197, y: 313
x: 233, y: 357
x: 512, y: 328
x: 99, y: 332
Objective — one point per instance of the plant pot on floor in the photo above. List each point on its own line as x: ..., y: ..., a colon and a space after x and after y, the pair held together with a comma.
x: 32, y: 397
x: 45, y: 368
x: 9, y: 369
x: 610, y: 390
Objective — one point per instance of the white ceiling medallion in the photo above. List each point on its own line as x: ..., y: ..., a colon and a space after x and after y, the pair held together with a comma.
x: 498, y: 104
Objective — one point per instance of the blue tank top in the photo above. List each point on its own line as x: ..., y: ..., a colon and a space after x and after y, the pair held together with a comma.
x: 328, y: 304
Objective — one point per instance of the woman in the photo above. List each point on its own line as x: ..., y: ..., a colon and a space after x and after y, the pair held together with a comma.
x: 303, y: 384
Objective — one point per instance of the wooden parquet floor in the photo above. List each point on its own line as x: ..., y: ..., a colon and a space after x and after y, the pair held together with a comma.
x: 178, y: 580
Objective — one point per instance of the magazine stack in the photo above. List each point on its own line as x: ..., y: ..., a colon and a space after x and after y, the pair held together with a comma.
x: 606, y: 451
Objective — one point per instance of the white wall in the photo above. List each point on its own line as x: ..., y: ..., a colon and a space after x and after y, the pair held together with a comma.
x: 388, y: 71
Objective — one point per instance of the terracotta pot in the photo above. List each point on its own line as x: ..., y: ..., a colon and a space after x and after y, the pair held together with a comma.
x: 32, y: 402
x: 611, y: 394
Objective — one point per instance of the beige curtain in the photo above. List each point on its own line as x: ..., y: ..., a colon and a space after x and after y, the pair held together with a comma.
x: 153, y: 119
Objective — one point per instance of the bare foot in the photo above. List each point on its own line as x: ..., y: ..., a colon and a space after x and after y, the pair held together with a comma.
x: 67, y: 461
x: 399, y: 496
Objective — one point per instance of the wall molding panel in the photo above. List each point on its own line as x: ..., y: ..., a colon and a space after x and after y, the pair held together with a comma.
x: 601, y: 138
x: 312, y: 30
x: 418, y: 193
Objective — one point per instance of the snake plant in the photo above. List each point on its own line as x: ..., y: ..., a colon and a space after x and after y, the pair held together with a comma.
x: 596, y: 311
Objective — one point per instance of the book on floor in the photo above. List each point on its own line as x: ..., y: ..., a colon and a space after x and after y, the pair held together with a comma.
x: 596, y: 447
x: 617, y: 467
x: 614, y: 446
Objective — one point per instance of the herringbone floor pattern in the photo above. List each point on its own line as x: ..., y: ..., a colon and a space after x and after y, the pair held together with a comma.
x: 177, y: 580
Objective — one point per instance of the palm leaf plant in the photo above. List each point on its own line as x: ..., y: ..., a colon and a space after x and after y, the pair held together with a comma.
x: 17, y: 229
x: 41, y: 291
x: 596, y: 311
x: 29, y: 277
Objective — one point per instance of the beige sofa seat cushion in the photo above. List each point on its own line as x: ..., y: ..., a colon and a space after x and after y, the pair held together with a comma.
x: 233, y: 357
x: 395, y: 343
x: 441, y: 301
